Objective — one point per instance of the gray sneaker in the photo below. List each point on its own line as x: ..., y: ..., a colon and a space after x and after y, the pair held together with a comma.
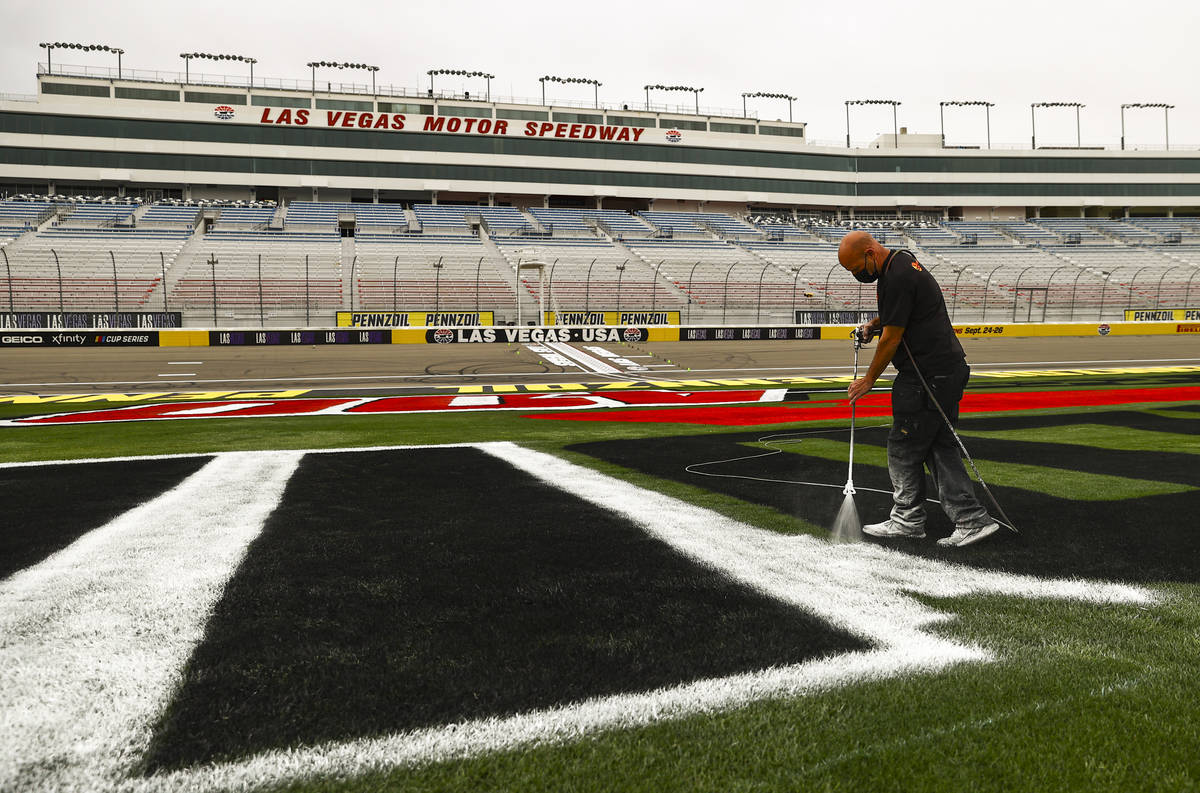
x: 963, y: 536
x: 889, y: 528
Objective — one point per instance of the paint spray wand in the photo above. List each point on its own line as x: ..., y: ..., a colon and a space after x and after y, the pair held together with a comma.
x: 846, y: 526
x: 849, y: 489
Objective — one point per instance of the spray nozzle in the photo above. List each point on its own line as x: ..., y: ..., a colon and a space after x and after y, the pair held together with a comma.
x: 849, y: 488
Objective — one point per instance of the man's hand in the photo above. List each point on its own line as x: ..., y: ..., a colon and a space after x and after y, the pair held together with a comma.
x: 859, y: 387
x: 867, y: 331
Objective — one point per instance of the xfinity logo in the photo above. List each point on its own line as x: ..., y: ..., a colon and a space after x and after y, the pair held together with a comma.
x: 74, y: 339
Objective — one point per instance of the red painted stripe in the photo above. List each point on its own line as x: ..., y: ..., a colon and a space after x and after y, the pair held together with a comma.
x: 879, y: 405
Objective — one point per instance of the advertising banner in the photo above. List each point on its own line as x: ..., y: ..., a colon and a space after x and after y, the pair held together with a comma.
x: 413, y: 319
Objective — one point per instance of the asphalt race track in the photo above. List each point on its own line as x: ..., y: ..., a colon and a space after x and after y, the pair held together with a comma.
x: 402, y: 368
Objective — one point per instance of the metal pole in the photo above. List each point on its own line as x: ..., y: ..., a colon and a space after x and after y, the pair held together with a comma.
x: 587, y: 287
x: 437, y: 285
x: 550, y: 293
x: 744, y: 114
x: 987, y: 114
x: 212, y: 263
x: 251, y: 75
x: 942, y: 121
x: 478, y: 265
x: 795, y: 280
x: 620, y: 275
x: 1033, y: 125
x: 262, y: 320
x: 954, y: 305
x: 654, y: 291
x: 725, y: 297
x: 1103, y: 292
x: 306, y: 300
x: 1167, y: 127
x: 118, y: 65
x: 789, y: 111
x: 62, y: 318
x: 895, y: 128
x: 162, y: 263
x: 1074, y: 286
x: 49, y: 65
x: 395, y: 264
x: 758, y: 309
x: 1186, y: 295
x: 489, y: 89
x: 543, y: 82
x: 1078, y: 139
x: 847, y: 124
x: 1122, y: 127
x: 116, y: 293
x: 986, y: 284
x: 690, y: 274
x: 1158, y: 292
x: 353, y: 263
x: 697, y: 95
x: 647, y: 99
x: 596, y: 95
x: 187, y: 62
x: 8, y: 269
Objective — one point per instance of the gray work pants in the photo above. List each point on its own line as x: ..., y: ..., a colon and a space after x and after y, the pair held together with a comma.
x: 919, y: 438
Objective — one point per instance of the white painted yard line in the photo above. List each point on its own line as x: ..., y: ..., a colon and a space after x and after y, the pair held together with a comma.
x: 863, y: 589
x: 92, y: 640
x: 589, y: 362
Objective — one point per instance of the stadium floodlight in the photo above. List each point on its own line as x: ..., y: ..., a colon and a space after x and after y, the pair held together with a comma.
x: 335, y: 65
x: 585, y: 80
x: 1166, y: 120
x: 987, y: 109
x: 49, y: 47
x: 1033, y: 116
x: 187, y: 60
x: 765, y: 95
x: 462, y: 73
x: 695, y: 91
x: 895, y: 104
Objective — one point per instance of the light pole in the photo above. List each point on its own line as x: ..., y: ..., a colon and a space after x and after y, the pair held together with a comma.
x: 1033, y: 116
x: 696, y: 91
x: 765, y: 95
x: 462, y: 73
x: 49, y: 47
x: 987, y: 110
x: 1166, y: 120
x: 585, y: 80
x: 187, y: 58
x: 335, y: 65
x: 895, y: 104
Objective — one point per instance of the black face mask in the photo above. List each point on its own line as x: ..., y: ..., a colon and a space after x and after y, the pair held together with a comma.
x: 863, y: 277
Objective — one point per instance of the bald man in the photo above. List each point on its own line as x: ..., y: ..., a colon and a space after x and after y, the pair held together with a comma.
x: 916, y: 336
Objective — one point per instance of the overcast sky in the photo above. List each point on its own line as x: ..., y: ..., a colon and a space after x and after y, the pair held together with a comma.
x: 1011, y: 53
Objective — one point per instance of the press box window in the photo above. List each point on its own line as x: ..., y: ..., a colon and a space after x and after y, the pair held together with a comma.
x: 794, y: 132
x: 741, y: 129
x: 630, y: 121
x: 579, y: 118
x: 281, y: 101
x: 464, y: 112
x: 404, y: 107
x: 153, y: 94
x: 75, y: 89
x: 523, y: 115
x: 214, y: 99
x: 677, y: 123
x: 344, y: 104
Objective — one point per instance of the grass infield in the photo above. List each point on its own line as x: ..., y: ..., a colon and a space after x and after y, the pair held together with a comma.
x: 321, y: 613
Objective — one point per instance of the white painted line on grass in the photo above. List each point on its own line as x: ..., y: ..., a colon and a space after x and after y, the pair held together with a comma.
x: 94, y: 638
x: 863, y: 589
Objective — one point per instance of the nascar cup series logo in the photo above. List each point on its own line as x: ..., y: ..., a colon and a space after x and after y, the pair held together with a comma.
x: 1104, y: 329
x: 223, y: 112
x: 443, y: 335
x: 674, y: 136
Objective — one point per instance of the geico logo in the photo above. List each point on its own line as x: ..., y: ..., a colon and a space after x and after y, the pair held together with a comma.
x: 21, y: 339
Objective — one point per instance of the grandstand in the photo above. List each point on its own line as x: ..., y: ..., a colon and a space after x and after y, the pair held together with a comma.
x: 737, y: 224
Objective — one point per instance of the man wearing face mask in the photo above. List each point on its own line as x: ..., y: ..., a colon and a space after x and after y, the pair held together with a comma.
x: 916, y: 334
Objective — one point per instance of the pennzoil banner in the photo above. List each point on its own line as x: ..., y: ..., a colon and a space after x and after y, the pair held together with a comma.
x: 414, y: 319
x: 611, y: 318
x: 1162, y: 315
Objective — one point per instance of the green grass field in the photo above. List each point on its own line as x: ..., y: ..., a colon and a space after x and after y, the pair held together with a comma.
x: 1080, y: 696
